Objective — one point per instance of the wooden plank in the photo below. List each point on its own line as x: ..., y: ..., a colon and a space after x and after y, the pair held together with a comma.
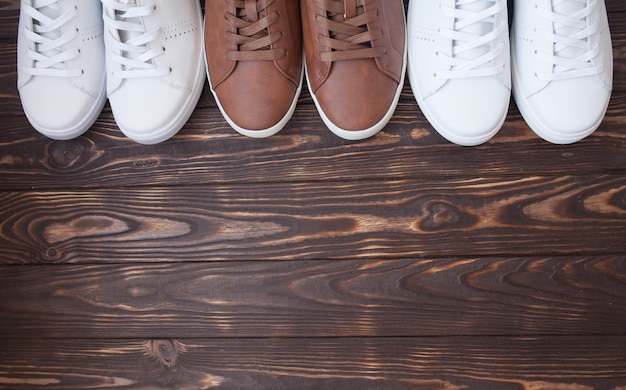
x: 538, y: 363
x: 423, y: 297
x: 208, y: 151
x: 538, y: 215
x: 398, y: 262
x: 9, y: 97
x: 9, y: 16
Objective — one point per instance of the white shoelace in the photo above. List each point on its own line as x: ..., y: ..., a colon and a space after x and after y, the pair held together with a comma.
x: 474, y: 52
x: 572, y: 54
x: 48, y: 50
x: 131, y: 43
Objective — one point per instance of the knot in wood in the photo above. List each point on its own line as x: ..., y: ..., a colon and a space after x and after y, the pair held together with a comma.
x: 441, y: 214
x: 165, y: 351
x: 52, y: 254
x: 65, y: 154
x: 148, y: 163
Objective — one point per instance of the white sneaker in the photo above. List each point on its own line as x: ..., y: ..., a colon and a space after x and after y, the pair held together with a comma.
x: 459, y: 66
x: 155, y: 65
x: 562, y: 66
x: 60, y: 65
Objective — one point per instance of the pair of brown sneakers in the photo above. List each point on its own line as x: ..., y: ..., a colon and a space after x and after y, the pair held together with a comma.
x: 355, y: 54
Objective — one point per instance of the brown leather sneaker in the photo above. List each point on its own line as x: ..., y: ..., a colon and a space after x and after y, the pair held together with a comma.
x: 254, y: 62
x: 356, y: 60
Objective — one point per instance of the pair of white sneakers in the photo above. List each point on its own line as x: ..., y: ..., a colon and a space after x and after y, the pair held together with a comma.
x: 144, y: 55
x: 557, y: 61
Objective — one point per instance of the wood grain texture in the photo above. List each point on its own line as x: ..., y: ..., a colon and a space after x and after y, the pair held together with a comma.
x: 411, y: 298
x: 208, y: 151
x: 304, y: 261
x: 468, y: 217
x: 534, y: 363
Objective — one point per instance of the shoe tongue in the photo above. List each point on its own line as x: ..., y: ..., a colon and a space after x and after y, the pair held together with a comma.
x: 478, y: 29
x: 252, y: 13
x: 568, y: 8
x: 350, y: 8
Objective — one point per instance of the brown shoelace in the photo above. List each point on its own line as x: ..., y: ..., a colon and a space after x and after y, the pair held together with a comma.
x: 252, y: 38
x: 350, y: 38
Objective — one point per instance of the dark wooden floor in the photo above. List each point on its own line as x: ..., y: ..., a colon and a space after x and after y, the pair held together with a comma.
x: 304, y: 261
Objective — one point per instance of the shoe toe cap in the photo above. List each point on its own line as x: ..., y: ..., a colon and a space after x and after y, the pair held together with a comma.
x: 468, y: 111
x: 60, y: 113
x: 567, y: 111
x: 357, y: 96
x: 257, y: 98
x: 149, y: 111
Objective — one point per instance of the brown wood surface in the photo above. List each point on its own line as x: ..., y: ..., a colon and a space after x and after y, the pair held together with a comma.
x: 304, y: 261
x: 364, y: 298
x: 322, y: 220
x: 557, y: 363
